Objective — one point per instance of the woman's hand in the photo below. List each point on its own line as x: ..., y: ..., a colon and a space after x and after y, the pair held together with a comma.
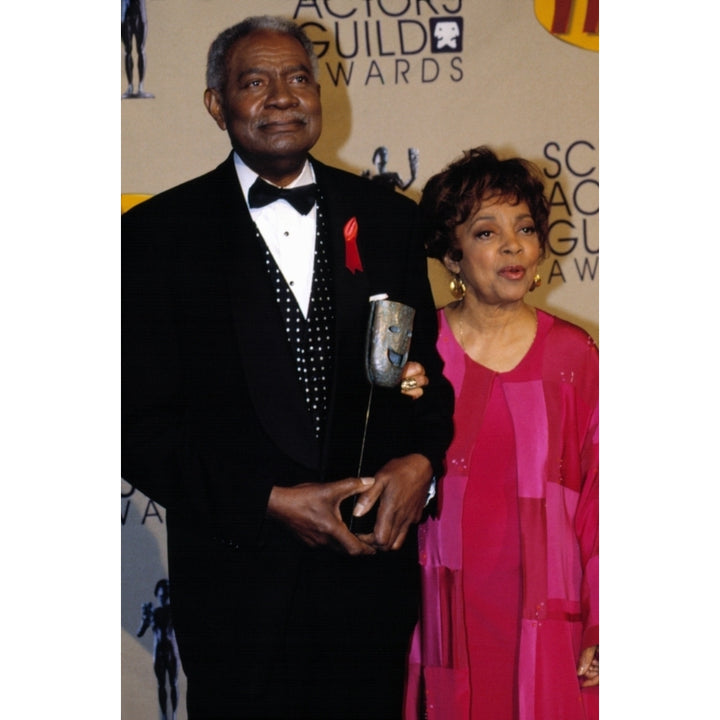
x: 413, y: 380
x: 589, y: 666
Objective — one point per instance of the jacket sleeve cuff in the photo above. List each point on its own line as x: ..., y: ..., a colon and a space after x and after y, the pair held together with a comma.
x: 591, y: 636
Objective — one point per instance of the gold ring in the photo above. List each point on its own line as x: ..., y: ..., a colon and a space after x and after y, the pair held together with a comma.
x: 408, y: 384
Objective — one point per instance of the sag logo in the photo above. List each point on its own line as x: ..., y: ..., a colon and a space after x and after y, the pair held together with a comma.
x: 574, y: 21
x: 446, y: 34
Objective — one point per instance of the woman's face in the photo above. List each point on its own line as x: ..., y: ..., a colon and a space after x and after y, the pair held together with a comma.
x: 500, y: 251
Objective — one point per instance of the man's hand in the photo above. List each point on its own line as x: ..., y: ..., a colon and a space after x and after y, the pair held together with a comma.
x: 312, y: 512
x: 401, y: 488
x: 589, y: 666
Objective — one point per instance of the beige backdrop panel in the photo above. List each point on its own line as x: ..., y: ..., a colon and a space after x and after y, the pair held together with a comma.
x: 512, y: 85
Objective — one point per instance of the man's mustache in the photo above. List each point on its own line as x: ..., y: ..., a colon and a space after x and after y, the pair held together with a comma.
x: 283, y: 120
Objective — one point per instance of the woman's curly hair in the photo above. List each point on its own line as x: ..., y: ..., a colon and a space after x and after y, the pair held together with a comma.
x: 450, y: 196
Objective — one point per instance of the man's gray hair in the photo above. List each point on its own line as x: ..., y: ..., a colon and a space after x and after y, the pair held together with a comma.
x: 216, y: 74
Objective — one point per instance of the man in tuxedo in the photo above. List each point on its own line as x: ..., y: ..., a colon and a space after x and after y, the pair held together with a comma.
x: 245, y: 403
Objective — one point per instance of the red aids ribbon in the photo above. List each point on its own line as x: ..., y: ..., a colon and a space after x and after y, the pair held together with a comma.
x: 352, y: 256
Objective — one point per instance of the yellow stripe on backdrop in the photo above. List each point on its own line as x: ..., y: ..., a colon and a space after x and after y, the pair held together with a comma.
x: 130, y: 200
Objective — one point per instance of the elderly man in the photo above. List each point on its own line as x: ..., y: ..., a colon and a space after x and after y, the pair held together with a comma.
x: 245, y: 307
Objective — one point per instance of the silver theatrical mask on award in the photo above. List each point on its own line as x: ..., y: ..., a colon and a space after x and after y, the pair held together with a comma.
x: 388, y: 341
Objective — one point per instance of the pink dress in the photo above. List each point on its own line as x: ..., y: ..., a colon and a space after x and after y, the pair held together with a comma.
x: 510, y: 564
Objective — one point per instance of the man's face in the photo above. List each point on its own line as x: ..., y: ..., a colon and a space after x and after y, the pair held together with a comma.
x: 271, y: 104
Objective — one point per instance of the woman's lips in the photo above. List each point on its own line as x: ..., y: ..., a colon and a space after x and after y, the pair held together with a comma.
x: 513, y: 272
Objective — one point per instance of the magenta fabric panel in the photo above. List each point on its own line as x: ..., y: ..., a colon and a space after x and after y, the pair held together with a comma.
x: 451, y: 353
x: 533, y: 538
x: 562, y: 609
x: 573, y: 419
x: 447, y: 694
x: 526, y: 402
x: 442, y: 640
x: 595, y: 419
x: 587, y: 532
x: 441, y: 543
x: 452, y: 620
x: 527, y: 661
x: 564, y: 566
x: 431, y: 637
x: 590, y: 587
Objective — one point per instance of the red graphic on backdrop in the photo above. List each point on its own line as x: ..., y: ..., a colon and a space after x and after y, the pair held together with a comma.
x: 572, y: 21
x: 561, y: 18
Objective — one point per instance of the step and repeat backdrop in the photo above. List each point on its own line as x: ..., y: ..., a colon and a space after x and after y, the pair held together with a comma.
x: 407, y: 85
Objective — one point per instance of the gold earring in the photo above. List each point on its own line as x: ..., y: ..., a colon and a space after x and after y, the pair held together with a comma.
x: 536, y: 283
x: 457, y: 287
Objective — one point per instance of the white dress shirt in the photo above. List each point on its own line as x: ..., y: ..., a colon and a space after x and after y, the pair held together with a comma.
x: 289, y: 235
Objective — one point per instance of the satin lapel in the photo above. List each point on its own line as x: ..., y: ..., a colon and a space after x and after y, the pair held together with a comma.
x: 351, y: 296
x: 351, y: 288
x: 268, y: 361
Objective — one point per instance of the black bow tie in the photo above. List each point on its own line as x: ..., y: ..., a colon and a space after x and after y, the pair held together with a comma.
x: 301, y: 198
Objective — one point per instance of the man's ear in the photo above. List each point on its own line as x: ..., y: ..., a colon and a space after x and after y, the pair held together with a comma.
x: 214, y: 105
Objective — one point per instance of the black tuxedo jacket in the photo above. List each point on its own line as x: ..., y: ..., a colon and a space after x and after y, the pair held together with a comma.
x: 214, y: 416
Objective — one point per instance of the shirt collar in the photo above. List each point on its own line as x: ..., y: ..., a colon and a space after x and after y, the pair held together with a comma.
x: 247, y: 177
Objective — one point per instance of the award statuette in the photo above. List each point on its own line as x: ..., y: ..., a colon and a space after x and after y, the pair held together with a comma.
x: 387, y: 346
x: 388, y: 342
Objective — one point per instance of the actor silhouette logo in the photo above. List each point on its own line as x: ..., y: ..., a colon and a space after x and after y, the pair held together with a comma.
x: 166, y: 663
x: 390, y: 178
x: 573, y: 21
x: 447, y: 34
x: 133, y: 26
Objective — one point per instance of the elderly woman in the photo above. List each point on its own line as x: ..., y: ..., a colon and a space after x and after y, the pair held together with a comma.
x: 509, y: 624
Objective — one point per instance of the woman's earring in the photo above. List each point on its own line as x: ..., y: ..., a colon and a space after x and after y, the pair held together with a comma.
x: 536, y: 283
x: 457, y: 287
